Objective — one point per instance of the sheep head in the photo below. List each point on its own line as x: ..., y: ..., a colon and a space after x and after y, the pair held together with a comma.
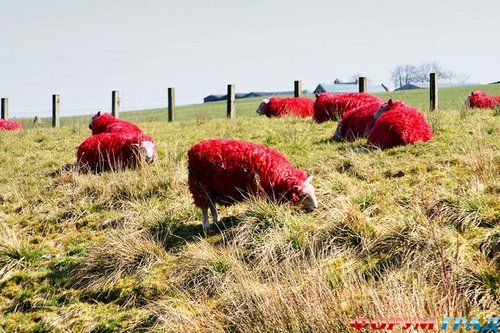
x: 305, y: 194
x: 261, y: 110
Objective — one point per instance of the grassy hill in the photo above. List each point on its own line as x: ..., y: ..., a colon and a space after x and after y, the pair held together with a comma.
x: 412, y: 231
x: 449, y: 98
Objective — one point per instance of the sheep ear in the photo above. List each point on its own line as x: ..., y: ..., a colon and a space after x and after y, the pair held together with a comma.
x: 389, y: 102
x: 265, y: 100
x: 98, y: 113
x: 309, y: 179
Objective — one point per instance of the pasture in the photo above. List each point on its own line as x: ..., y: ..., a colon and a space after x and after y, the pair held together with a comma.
x: 449, y: 98
x: 413, y: 231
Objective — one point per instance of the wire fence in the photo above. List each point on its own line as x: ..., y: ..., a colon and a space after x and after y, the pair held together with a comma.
x: 135, y: 107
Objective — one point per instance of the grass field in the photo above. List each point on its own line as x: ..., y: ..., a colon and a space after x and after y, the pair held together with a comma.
x: 408, y: 232
x: 449, y: 98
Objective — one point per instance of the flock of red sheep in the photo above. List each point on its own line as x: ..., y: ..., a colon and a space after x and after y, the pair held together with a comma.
x: 223, y: 171
x: 385, y: 124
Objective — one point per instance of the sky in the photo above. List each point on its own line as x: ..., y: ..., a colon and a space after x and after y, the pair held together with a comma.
x: 82, y: 50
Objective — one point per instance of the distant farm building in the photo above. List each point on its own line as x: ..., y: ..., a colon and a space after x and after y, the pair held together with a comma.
x: 343, y: 87
x: 409, y: 86
x: 217, y: 98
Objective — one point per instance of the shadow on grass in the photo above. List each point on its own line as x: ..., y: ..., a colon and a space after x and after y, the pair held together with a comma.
x: 68, y: 167
x: 60, y: 273
x: 173, y: 239
x: 326, y: 141
x: 356, y: 146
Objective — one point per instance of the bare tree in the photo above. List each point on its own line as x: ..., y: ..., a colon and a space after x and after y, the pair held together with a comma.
x: 397, y: 76
x: 404, y: 74
x: 423, y: 72
x: 456, y: 77
x: 424, y: 69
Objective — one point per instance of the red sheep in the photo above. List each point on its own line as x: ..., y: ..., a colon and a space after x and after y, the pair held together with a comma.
x: 106, y: 123
x: 479, y: 99
x: 10, y: 125
x: 332, y: 106
x: 398, y: 124
x: 357, y: 122
x: 115, y: 151
x: 227, y: 171
x: 293, y: 106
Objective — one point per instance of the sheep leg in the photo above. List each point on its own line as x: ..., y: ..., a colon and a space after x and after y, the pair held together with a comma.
x: 213, y: 210
x: 204, y: 214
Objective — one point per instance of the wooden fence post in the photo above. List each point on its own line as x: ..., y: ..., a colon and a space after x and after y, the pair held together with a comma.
x: 5, y: 108
x: 433, y: 91
x: 171, y: 104
x: 362, y: 84
x: 56, y: 100
x: 231, y: 96
x: 297, y: 88
x: 115, y: 103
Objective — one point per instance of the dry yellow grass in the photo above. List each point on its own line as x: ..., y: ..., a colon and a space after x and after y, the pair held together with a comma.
x: 412, y: 231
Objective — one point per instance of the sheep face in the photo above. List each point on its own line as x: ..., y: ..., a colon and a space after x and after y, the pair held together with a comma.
x: 262, y: 107
x: 383, y: 108
x: 148, y: 150
x: 97, y: 115
x: 306, y: 194
x: 338, y: 133
x: 467, y: 101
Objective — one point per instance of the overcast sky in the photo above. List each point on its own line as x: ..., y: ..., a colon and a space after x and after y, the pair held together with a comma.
x: 84, y: 49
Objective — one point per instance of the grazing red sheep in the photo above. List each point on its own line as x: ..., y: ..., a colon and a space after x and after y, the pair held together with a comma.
x: 227, y: 171
x: 479, y: 99
x: 356, y: 123
x: 398, y: 124
x: 115, y: 151
x: 106, y: 123
x: 293, y: 106
x: 10, y: 125
x: 332, y: 106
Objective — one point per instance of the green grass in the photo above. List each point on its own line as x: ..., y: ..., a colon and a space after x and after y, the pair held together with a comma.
x: 449, y: 98
x: 201, y: 112
x: 412, y: 231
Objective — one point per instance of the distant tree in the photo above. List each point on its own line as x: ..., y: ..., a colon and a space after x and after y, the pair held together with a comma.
x: 455, y: 77
x: 404, y: 74
x: 425, y: 69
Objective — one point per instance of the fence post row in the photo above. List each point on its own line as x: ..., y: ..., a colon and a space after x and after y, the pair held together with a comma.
x: 115, y: 103
x: 171, y: 104
x: 297, y: 88
x: 362, y: 84
x: 231, y: 95
x: 433, y: 91
x: 5, y: 108
x: 56, y: 100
